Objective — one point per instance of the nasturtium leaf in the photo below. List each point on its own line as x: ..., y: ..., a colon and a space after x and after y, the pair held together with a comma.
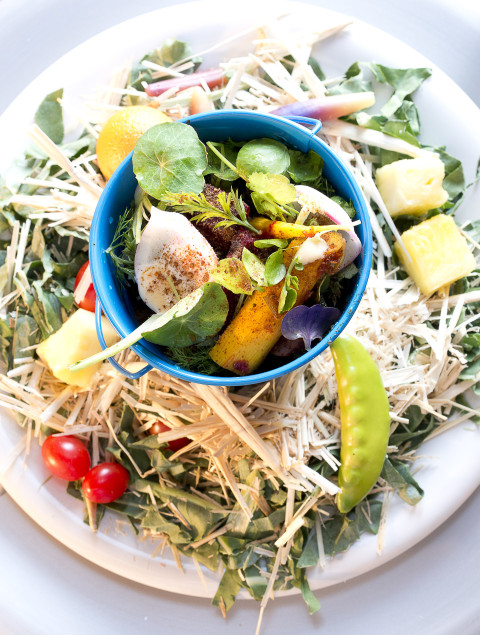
x: 232, y: 274
x: 276, y: 186
x: 49, y: 116
x: 170, y: 158
x: 304, y: 166
x: 308, y: 322
x: 202, y: 321
x: 263, y: 155
x: 254, y: 267
x: 274, y: 268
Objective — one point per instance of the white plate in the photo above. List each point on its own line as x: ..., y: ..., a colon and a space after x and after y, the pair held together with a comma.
x: 447, y: 480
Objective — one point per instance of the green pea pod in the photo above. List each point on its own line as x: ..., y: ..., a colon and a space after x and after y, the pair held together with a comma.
x: 365, y: 420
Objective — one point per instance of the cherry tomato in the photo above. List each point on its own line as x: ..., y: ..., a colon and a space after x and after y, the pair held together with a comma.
x: 105, y: 482
x: 66, y: 457
x: 175, y: 445
x: 84, y: 291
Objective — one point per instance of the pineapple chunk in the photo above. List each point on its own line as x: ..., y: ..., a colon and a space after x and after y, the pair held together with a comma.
x: 412, y: 186
x: 440, y: 254
x: 76, y: 339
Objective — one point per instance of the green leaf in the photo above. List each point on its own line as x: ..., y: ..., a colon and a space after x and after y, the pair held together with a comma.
x: 309, y: 557
x: 170, y: 158
x: 219, y: 168
x: 274, y: 186
x: 354, y: 82
x: 265, y: 243
x: 232, y: 274
x: 405, y: 81
x: 49, y: 116
x: 304, y: 166
x: 254, y: 267
x: 263, y: 155
x: 227, y: 591
x: 204, y: 320
x: 398, y: 476
x: 274, y: 268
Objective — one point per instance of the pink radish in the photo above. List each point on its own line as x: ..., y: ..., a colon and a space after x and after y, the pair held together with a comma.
x: 212, y: 77
x: 312, y: 201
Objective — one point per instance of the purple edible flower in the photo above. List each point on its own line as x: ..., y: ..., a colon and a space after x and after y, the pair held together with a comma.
x: 308, y: 322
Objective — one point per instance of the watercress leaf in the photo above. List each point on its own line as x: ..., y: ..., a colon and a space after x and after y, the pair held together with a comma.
x: 202, y: 321
x: 232, y: 274
x: 276, y: 186
x: 254, y: 267
x: 309, y: 323
x: 263, y: 155
x: 49, y: 116
x: 274, y: 268
x: 170, y: 158
x: 281, y: 243
x: 304, y: 166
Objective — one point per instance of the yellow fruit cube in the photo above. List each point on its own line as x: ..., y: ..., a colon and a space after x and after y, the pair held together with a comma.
x: 412, y: 186
x: 76, y: 339
x: 439, y: 253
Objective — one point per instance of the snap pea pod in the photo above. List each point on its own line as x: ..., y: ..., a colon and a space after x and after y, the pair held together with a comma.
x: 365, y: 420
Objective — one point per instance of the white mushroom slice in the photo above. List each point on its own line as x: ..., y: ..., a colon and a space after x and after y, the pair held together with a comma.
x: 311, y: 201
x: 172, y: 260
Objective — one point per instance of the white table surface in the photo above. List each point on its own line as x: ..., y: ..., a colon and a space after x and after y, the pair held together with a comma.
x: 46, y: 589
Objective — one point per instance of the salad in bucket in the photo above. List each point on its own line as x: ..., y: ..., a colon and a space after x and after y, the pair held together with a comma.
x: 228, y: 243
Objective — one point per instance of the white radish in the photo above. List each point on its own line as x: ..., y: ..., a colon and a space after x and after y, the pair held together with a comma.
x: 172, y: 260
x: 311, y: 201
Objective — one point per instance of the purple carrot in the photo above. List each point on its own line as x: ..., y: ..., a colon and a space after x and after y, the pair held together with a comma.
x: 324, y: 108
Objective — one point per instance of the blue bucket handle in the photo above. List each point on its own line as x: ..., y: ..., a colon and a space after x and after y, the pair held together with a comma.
x: 307, y: 121
x: 103, y: 344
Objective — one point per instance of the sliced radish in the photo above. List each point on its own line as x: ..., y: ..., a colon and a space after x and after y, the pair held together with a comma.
x: 311, y: 201
x: 172, y: 260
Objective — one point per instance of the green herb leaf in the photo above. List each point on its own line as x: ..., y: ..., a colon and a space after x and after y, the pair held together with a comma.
x: 49, y: 116
x: 170, y: 158
x: 200, y: 208
x: 274, y: 268
x: 232, y: 274
x: 281, y: 243
x: 272, y: 186
x: 398, y: 476
x: 254, y: 266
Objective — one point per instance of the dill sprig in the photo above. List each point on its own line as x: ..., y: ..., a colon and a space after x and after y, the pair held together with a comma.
x: 195, y: 359
x: 201, y: 209
x: 124, y: 244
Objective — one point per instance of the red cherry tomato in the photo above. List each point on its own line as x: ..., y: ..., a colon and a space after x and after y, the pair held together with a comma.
x: 105, y: 482
x: 84, y: 291
x: 66, y: 457
x: 175, y: 445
